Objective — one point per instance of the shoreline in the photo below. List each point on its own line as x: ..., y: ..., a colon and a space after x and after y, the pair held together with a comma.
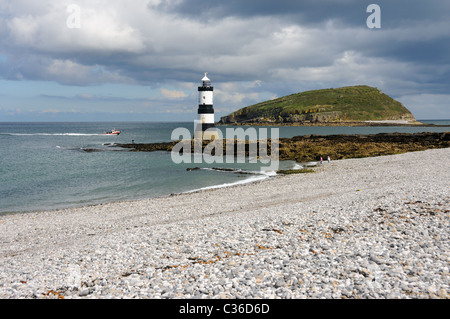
x: 357, y: 228
x: 348, y: 124
x: 253, y: 177
x: 307, y: 148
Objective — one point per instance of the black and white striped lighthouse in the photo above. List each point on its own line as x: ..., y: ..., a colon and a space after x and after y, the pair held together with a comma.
x: 205, y: 110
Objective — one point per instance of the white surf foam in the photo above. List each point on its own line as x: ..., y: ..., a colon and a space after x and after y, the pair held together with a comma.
x: 262, y: 176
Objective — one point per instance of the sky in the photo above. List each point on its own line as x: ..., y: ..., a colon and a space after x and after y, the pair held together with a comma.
x: 142, y: 60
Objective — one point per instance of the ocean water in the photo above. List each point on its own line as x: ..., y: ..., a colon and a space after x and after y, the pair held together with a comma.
x: 59, y: 165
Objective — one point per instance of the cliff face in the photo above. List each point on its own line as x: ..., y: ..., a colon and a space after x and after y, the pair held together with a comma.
x: 347, y: 104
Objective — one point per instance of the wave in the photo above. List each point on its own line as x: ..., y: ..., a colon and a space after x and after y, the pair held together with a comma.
x: 311, y: 164
x: 260, y: 176
x: 225, y: 170
x: 82, y: 149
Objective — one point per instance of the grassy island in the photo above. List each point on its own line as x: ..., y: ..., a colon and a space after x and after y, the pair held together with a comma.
x: 353, y: 105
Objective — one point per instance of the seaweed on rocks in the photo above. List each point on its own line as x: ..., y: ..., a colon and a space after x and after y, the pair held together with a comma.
x: 312, y: 147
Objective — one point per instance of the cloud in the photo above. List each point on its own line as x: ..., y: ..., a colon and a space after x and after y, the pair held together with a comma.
x: 103, y: 28
x: 253, y: 50
x: 69, y: 72
x: 171, y: 94
x: 147, y: 41
x: 428, y: 106
x: 56, y: 111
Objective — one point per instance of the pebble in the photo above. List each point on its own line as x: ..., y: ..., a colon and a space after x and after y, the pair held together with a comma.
x: 84, y: 292
x: 298, y: 236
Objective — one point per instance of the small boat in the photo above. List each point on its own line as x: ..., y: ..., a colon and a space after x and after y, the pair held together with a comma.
x: 112, y: 132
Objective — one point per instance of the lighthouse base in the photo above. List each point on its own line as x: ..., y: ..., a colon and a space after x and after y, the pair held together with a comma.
x: 205, y: 131
x: 210, y: 134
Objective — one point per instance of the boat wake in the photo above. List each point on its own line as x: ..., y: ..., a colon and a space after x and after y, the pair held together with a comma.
x: 50, y: 134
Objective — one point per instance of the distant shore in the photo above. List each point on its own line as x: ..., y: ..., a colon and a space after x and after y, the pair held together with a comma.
x: 358, y: 228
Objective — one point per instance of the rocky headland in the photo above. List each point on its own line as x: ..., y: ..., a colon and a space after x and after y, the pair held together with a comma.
x: 312, y: 147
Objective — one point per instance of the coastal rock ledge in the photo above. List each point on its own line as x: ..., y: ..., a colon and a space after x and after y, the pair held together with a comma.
x: 312, y: 147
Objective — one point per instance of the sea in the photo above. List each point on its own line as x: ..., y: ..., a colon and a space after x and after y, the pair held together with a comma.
x: 48, y: 166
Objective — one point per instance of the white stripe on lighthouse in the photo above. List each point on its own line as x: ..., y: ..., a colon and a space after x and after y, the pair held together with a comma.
x: 206, y: 118
x: 206, y: 98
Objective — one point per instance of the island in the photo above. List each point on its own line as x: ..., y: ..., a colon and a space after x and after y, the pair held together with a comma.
x: 347, y: 106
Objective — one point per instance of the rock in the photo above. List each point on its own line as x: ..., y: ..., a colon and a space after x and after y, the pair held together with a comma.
x: 312, y: 147
x: 84, y: 292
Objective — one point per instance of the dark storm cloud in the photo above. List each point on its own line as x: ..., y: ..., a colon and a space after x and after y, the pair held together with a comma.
x: 244, y: 40
x: 395, y: 12
x: 283, y: 46
x: 310, y: 11
x: 415, y: 32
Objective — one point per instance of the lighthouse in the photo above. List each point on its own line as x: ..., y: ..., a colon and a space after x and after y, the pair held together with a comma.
x: 205, y: 111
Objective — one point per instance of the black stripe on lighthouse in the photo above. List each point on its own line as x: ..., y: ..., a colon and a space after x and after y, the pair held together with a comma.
x: 206, y: 126
x: 205, y: 109
x: 204, y: 89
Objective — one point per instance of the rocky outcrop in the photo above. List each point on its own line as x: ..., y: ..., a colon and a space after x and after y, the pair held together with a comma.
x: 312, y: 147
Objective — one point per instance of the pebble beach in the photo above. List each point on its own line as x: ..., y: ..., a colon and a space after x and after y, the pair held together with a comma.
x: 370, y: 228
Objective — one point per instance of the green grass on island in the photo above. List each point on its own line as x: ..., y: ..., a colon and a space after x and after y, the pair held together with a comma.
x: 346, y: 104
